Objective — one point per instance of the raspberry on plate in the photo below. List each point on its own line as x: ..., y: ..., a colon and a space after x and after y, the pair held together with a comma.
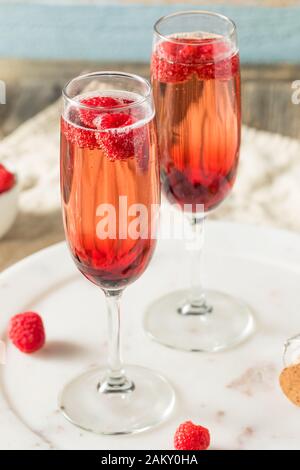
x: 7, y: 179
x: 190, y: 436
x: 26, y: 331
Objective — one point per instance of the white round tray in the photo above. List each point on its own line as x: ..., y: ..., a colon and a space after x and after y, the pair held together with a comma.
x: 235, y: 394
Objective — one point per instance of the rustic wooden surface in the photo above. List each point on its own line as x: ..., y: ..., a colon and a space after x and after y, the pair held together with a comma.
x: 31, y: 86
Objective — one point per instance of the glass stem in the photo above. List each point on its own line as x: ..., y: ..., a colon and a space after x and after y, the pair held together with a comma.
x: 116, y: 380
x: 196, y: 302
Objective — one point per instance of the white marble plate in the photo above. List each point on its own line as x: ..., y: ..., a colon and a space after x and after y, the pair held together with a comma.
x: 235, y: 394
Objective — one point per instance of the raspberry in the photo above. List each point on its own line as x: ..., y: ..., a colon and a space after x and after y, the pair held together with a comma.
x: 78, y: 136
x: 172, y: 62
x: 26, y: 331
x: 221, y: 69
x: 165, y: 68
x: 114, y: 121
x: 7, y: 179
x: 119, y: 144
x: 202, y: 51
x: 82, y: 123
x: 197, y: 52
x: 88, y: 116
x: 170, y: 50
x: 189, y: 436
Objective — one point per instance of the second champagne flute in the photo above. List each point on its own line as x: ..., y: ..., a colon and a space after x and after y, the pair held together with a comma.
x: 195, y: 74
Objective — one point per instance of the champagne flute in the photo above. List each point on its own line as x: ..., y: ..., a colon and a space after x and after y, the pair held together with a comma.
x: 195, y: 72
x: 110, y: 198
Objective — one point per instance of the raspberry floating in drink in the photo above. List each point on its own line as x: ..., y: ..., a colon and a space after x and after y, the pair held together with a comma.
x: 88, y: 116
x: 177, y: 59
x: 108, y: 127
x: 116, y: 138
x: 82, y: 138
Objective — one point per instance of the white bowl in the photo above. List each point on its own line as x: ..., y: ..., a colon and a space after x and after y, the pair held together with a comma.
x: 8, y: 208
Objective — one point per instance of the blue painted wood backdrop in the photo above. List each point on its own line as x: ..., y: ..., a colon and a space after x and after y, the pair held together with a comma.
x: 124, y: 32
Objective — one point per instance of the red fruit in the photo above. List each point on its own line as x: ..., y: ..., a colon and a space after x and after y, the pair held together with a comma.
x: 26, y: 331
x: 114, y: 121
x: 170, y: 50
x: 223, y: 69
x: 175, y: 62
x: 197, y: 51
x: 116, y: 139
x: 168, y: 72
x: 201, y: 51
x: 88, y: 116
x: 78, y: 135
x: 7, y: 179
x: 116, y: 142
x: 189, y: 436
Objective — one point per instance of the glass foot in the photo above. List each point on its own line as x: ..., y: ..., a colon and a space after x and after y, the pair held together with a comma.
x: 139, y: 407
x: 226, y: 321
